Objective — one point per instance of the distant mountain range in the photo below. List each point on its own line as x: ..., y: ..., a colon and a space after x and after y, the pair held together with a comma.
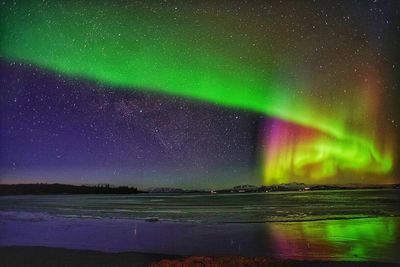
x: 48, y: 189
x: 303, y: 187
x: 172, y: 190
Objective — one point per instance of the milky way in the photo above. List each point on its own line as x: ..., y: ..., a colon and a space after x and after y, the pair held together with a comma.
x: 325, y: 73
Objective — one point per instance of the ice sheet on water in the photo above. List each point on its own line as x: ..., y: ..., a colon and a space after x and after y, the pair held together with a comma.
x: 292, y: 206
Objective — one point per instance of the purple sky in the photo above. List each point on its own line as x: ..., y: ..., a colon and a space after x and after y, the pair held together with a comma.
x: 55, y: 129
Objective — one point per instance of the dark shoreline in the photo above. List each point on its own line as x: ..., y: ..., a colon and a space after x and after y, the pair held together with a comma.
x: 18, y: 256
x: 68, y: 189
x: 62, y: 189
x: 48, y: 256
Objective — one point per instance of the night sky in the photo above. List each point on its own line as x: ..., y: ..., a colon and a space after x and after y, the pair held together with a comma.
x: 81, y: 132
x: 197, y: 94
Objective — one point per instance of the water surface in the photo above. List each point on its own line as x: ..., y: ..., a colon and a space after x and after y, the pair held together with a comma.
x: 336, y: 225
x: 206, y: 208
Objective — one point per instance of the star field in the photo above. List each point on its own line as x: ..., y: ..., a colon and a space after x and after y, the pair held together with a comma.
x: 200, y: 93
x: 92, y: 133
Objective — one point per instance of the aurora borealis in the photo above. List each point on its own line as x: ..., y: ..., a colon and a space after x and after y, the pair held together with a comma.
x: 316, y: 84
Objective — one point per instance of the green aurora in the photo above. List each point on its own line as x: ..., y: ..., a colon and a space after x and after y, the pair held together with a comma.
x: 200, y: 52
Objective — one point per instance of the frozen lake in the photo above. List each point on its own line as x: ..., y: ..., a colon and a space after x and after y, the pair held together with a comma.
x: 355, y: 225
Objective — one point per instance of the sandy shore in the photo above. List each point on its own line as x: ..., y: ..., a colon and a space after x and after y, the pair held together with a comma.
x: 43, y: 257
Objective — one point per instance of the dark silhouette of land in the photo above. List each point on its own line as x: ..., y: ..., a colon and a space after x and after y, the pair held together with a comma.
x: 44, y: 257
x: 56, y: 189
